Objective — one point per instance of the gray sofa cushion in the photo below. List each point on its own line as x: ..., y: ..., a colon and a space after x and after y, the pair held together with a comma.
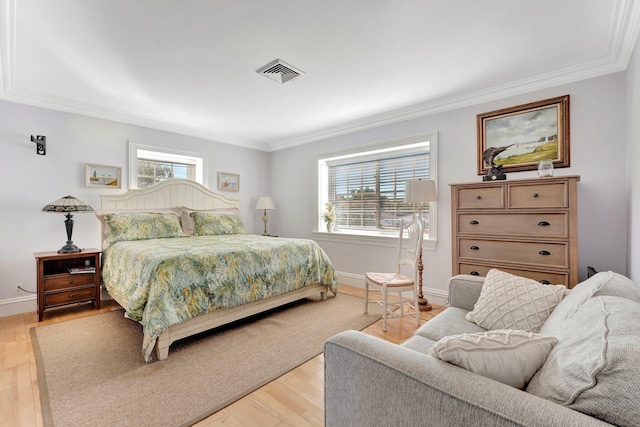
x: 594, y: 368
x: 418, y: 343
x: 602, y: 284
x: 449, y: 322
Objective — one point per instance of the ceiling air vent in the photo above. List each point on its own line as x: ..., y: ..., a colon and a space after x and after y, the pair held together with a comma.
x: 279, y: 71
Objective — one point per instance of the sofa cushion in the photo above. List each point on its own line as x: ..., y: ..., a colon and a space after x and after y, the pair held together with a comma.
x: 594, y: 368
x: 449, y: 322
x: 508, y: 356
x: 418, y: 343
x: 513, y: 302
x: 601, y: 284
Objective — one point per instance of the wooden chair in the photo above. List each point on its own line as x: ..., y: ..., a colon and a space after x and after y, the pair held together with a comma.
x: 398, y: 282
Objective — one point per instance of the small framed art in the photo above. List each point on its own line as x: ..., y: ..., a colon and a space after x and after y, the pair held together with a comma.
x: 525, y: 134
x: 101, y: 176
x: 228, y: 181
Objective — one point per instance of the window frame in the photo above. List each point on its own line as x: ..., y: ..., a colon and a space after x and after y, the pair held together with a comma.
x: 166, y: 154
x: 371, y: 237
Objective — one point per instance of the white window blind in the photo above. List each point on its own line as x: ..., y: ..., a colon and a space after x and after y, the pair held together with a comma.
x: 368, y: 192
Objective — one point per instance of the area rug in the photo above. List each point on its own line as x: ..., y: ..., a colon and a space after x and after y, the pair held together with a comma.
x: 91, y: 371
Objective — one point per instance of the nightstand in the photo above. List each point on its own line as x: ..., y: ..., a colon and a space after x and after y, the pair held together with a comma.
x: 57, y: 286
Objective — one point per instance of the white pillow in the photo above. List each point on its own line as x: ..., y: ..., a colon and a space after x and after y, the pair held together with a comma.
x: 513, y: 302
x: 508, y: 356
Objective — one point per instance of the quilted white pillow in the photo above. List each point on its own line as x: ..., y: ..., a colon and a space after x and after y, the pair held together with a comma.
x: 513, y: 302
x: 508, y: 356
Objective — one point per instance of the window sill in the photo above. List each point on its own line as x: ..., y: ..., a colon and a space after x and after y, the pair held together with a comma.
x: 367, y: 239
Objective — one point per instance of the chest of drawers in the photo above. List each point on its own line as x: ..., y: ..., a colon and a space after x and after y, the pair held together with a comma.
x: 525, y: 227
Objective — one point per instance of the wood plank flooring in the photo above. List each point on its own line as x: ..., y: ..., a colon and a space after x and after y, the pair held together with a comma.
x: 295, y: 399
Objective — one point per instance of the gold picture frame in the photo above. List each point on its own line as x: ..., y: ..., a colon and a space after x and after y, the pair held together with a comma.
x: 101, y: 176
x: 532, y: 132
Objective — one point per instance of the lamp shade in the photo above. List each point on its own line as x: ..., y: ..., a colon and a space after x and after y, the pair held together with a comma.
x: 420, y: 191
x: 67, y: 204
x: 265, y: 203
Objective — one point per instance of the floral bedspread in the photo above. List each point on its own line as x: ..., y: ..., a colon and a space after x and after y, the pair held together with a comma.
x: 163, y: 282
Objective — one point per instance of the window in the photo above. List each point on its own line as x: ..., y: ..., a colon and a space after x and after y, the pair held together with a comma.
x: 150, y: 165
x: 367, y: 187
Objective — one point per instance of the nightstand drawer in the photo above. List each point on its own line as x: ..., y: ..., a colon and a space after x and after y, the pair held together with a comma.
x: 65, y: 281
x: 60, y: 298
x: 532, y: 253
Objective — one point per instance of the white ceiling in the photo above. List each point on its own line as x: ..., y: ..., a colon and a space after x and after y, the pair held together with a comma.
x: 189, y: 66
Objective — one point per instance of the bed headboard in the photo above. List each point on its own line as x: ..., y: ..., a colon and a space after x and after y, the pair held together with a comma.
x: 171, y: 193
x: 168, y: 194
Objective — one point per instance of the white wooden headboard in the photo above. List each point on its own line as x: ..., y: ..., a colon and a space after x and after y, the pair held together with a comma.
x: 168, y: 194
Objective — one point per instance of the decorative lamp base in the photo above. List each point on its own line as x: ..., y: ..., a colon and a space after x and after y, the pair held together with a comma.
x: 69, y: 248
x: 423, y: 304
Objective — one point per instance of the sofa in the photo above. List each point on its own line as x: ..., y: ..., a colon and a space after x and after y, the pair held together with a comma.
x: 589, y: 377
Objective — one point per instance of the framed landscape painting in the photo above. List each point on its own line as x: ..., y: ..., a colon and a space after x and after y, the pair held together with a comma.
x: 101, y: 176
x: 228, y: 181
x: 528, y: 133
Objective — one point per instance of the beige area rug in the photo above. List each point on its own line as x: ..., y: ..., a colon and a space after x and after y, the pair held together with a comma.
x: 91, y: 371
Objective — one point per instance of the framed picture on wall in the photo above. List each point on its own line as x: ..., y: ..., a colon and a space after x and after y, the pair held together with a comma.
x: 526, y: 134
x: 228, y: 181
x: 101, y: 176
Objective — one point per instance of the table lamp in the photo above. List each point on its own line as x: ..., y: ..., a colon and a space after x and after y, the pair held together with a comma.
x: 68, y: 205
x: 265, y: 203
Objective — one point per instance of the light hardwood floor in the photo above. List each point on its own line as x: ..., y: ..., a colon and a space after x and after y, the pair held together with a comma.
x: 295, y: 399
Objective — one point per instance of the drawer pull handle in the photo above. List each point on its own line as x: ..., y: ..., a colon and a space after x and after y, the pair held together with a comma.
x: 71, y: 295
x: 70, y: 281
x: 543, y: 224
x: 535, y: 195
x: 474, y: 248
x: 478, y: 197
x: 474, y: 222
x: 545, y: 282
x: 474, y: 273
x: 545, y: 253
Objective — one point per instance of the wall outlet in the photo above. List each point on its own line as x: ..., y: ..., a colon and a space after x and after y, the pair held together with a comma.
x: 17, y: 290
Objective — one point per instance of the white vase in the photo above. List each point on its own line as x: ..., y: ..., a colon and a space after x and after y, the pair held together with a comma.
x: 329, y: 227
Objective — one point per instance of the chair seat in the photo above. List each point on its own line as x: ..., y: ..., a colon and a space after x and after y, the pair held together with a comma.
x: 391, y: 279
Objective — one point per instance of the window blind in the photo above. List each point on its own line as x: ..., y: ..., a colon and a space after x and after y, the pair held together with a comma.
x: 369, y: 193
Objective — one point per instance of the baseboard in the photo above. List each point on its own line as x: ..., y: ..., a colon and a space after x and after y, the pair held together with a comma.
x: 435, y: 296
x: 18, y: 305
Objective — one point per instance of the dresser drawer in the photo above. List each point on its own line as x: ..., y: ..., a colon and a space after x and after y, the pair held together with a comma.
x: 481, y: 197
x: 544, y: 277
x: 544, y: 225
x: 534, y: 196
x: 59, y: 298
x: 64, y: 281
x: 533, y: 253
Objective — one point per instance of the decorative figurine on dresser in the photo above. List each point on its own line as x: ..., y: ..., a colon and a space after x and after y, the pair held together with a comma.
x: 526, y: 227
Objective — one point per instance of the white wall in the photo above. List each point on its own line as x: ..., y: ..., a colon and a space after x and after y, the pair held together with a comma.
x: 598, y: 144
x: 30, y: 181
x: 633, y: 160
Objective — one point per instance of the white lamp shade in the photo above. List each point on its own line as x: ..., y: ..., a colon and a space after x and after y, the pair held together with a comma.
x: 265, y: 203
x: 420, y: 191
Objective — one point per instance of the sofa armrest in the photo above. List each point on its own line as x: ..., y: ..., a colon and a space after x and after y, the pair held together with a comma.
x: 464, y: 290
x: 369, y: 381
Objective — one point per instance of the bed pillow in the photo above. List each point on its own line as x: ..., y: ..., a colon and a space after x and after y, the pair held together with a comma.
x: 106, y: 230
x: 509, y: 356
x: 213, y: 224
x: 512, y: 302
x: 143, y: 226
x: 188, y: 223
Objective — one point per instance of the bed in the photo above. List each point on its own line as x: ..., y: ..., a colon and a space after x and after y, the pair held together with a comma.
x: 180, y: 280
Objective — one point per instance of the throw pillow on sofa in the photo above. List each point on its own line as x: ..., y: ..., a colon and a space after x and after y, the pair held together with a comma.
x: 512, y: 302
x: 508, y: 356
x: 594, y: 367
